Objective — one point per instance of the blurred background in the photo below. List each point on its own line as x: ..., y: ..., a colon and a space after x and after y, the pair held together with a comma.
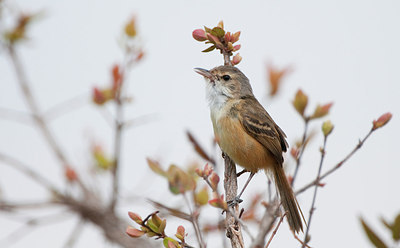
x: 346, y: 52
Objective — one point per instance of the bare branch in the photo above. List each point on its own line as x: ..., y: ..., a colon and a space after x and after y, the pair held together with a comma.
x: 315, y: 191
x: 15, y: 115
x: 8, y: 206
x: 337, y: 166
x: 38, y: 117
x: 141, y: 120
x: 275, y: 230
x: 199, y: 149
x: 27, y: 227
x: 303, y: 147
x: 266, y: 224
x: 34, y: 107
x: 75, y: 234
x: 24, y: 169
x: 233, y: 228
x: 65, y: 107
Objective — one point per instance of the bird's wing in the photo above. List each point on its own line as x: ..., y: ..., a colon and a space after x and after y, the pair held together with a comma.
x: 259, y: 125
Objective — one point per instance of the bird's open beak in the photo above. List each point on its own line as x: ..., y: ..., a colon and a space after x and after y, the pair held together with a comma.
x: 205, y: 73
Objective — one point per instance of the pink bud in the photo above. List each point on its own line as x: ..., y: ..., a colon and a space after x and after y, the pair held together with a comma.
x: 207, y: 170
x: 134, y: 233
x: 235, y: 48
x: 199, y: 35
x: 382, y: 120
x: 236, y: 59
x: 235, y: 37
x: 214, y: 180
x: 199, y: 172
x: 228, y: 37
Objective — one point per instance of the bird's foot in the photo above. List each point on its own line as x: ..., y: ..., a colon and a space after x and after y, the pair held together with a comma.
x: 234, y: 202
x: 241, y: 172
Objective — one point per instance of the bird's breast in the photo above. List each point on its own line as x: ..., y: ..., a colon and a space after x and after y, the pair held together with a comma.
x: 235, y: 142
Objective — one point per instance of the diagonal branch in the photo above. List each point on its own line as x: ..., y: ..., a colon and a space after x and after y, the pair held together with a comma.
x: 32, y: 104
x: 24, y: 169
x: 37, y: 115
x: 337, y: 166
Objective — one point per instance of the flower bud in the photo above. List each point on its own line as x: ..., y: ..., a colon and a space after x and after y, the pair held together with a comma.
x: 300, y: 102
x: 236, y: 59
x: 199, y: 35
x: 382, y: 120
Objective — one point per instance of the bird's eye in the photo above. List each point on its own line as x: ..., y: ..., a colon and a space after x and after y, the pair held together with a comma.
x: 226, y: 77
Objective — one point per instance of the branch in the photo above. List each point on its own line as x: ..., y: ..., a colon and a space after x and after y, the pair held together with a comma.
x: 27, y: 227
x: 318, y: 179
x: 15, y: 115
x: 194, y: 219
x: 24, y: 169
x: 275, y: 230
x: 303, y: 147
x: 119, y: 123
x: 65, y: 107
x: 233, y: 230
x: 266, y: 224
x: 76, y: 232
x: 32, y: 104
x: 338, y: 165
x: 37, y: 116
x: 227, y: 57
x: 8, y: 206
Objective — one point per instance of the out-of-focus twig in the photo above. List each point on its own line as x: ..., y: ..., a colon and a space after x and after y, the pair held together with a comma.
x: 27, y: 171
x: 302, y: 148
x: 75, y: 234
x: 275, y: 230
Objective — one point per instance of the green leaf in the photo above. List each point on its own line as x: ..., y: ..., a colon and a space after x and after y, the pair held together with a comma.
x: 396, y: 228
x: 156, y: 167
x: 162, y: 226
x: 209, y: 49
x: 156, y: 220
x: 218, y: 32
x: 208, y: 30
x: 375, y: 240
x: 152, y: 226
x: 170, y: 243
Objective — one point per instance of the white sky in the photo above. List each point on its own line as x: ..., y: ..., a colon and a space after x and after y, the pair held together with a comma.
x: 342, y: 51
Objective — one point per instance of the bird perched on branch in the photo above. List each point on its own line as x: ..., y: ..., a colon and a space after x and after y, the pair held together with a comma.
x: 247, y: 134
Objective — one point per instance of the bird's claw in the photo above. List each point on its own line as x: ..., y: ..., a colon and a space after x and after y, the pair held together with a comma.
x: 234, y: 202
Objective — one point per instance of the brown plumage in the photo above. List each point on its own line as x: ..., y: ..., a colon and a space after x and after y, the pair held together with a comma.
x: 247, y: 133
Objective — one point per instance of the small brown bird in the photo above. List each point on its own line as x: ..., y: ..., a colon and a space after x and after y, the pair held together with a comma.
x: 246, y: 132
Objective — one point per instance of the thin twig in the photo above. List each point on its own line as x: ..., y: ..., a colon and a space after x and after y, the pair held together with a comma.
x: 75, y: 234
x: 275, y: 230
x: 8, y: 206
x: 27, y: 227
x: 15, y: 115
x: 65, y: 107
x: 140, y: 120
x: 27, y: 171
x: 315, y: 191
x: 302, y: 148
x: 34, y: 107
x: 194, y: 220
x: 37, y: 115
x: 337, y: 166
x: 266, y: 224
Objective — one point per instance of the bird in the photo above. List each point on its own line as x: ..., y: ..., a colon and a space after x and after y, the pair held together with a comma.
x: 246, y: 132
